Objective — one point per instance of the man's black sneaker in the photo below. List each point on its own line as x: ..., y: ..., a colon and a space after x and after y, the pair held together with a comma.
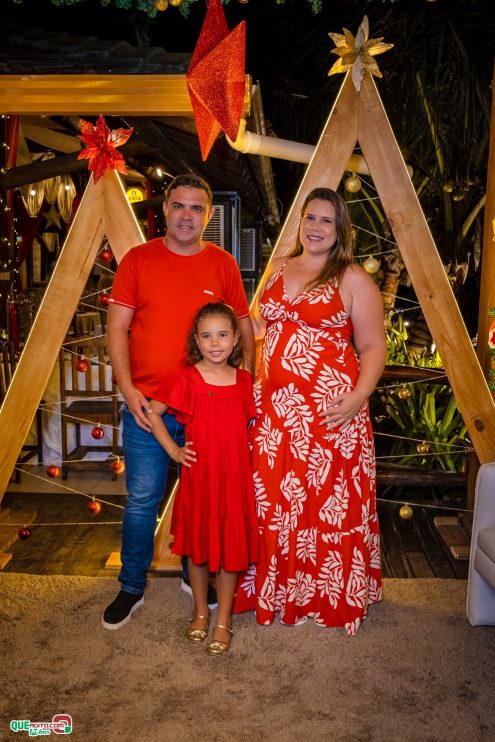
x: 119, y: 612
x: 212, y: 593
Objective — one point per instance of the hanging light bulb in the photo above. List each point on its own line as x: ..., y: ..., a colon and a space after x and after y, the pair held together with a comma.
x: 174, y: 3
x: 65, y: 197
x: 406, y: 512
x: 32, y: 197
x: 51, y: 185
x: 371, y: 264
x: 423, y: 447
x: 352, y: 184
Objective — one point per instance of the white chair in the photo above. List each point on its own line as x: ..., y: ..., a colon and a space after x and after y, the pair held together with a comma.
x: 481, y: 581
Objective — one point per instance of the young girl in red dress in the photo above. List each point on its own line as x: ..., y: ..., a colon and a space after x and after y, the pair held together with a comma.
x: 214, y: 517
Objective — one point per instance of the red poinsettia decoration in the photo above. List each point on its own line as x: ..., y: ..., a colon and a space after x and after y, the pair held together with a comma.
x: 100, y: 147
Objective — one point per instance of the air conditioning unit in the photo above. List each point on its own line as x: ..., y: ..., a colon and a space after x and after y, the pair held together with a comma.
x: 249, y: 288
x: 224, y: 227
x: 248, y: 258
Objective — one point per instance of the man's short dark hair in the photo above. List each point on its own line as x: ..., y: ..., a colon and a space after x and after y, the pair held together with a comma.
x: 189, y: 181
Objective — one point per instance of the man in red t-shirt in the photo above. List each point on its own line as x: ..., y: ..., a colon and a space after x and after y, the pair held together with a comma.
x: 158, y: 288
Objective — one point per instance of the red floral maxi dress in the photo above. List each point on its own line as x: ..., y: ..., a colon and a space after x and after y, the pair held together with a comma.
x: 314, y: 485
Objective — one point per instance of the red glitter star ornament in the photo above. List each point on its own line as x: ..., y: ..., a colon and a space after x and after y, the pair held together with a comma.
x: 216, y: 78
x: 100, y: 147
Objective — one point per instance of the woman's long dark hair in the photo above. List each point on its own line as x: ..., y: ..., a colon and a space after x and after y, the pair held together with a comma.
x: 213, y: 309
x: 341, y: 254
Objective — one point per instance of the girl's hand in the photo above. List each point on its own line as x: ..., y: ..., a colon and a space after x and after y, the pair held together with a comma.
x: 185, y: 456
x: 342, y: 409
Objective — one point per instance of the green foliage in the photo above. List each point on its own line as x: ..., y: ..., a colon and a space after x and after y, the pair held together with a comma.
x: 398, y: 352
x: 148, y: 6
x: 429, y: 413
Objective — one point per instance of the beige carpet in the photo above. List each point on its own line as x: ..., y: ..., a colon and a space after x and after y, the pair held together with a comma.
x: 416, y: 670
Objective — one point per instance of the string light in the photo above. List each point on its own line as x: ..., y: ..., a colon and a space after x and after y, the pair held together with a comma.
x: 56, y: 483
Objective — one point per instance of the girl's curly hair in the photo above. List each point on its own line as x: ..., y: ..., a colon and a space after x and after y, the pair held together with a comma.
x: 213, y: 309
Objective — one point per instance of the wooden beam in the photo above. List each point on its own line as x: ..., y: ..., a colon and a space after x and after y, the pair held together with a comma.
x: 389, y: 475
x: 104, y: 209
x: 59, y: 165
x: 407, y: 374
x: 51, y: 138
x: 487, y: 284
x: 90, y: 95
x: 426, y: 270
x: 121, y: 226
x: 487, y: 287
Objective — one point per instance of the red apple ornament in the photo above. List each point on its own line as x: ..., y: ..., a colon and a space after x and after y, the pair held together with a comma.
x: 82, y: 364
x: 106, y: 255
x: 94, y: 507
x: 52, y: 471
x: 118, y: 466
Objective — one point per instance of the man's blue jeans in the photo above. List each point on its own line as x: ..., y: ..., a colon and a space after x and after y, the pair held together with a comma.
x: 146, y: 469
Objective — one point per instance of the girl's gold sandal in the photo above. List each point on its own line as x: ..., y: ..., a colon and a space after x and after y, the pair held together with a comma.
x: 198, y: 635
x: 216, y: 646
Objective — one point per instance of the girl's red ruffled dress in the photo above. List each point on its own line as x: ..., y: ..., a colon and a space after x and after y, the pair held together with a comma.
x: 214, y: 516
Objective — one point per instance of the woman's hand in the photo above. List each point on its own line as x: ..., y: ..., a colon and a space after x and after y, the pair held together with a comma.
x: 185, y: 455
x: 342, y: 409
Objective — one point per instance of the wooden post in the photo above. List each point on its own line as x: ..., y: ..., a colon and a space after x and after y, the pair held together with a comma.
x: 487, y: 286
x: 426, y: 270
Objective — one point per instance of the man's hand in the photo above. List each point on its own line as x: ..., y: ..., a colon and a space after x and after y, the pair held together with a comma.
x: 139, y: 407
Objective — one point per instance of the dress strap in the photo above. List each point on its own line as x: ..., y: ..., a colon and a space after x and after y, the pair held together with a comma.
x: 278, y: 273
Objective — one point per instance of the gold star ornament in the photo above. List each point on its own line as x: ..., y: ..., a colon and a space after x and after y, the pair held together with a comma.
x: 357, y: 54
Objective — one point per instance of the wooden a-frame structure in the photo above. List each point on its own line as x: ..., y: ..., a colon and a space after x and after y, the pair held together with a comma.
x: 359, y: 118
x: 104, y: 211
x: 356, y: 118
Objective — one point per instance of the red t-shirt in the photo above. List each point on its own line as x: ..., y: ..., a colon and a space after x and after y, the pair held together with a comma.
x: 166, y: 290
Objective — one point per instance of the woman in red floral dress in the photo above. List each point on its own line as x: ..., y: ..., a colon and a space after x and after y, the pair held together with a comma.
x: 313, y: 453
